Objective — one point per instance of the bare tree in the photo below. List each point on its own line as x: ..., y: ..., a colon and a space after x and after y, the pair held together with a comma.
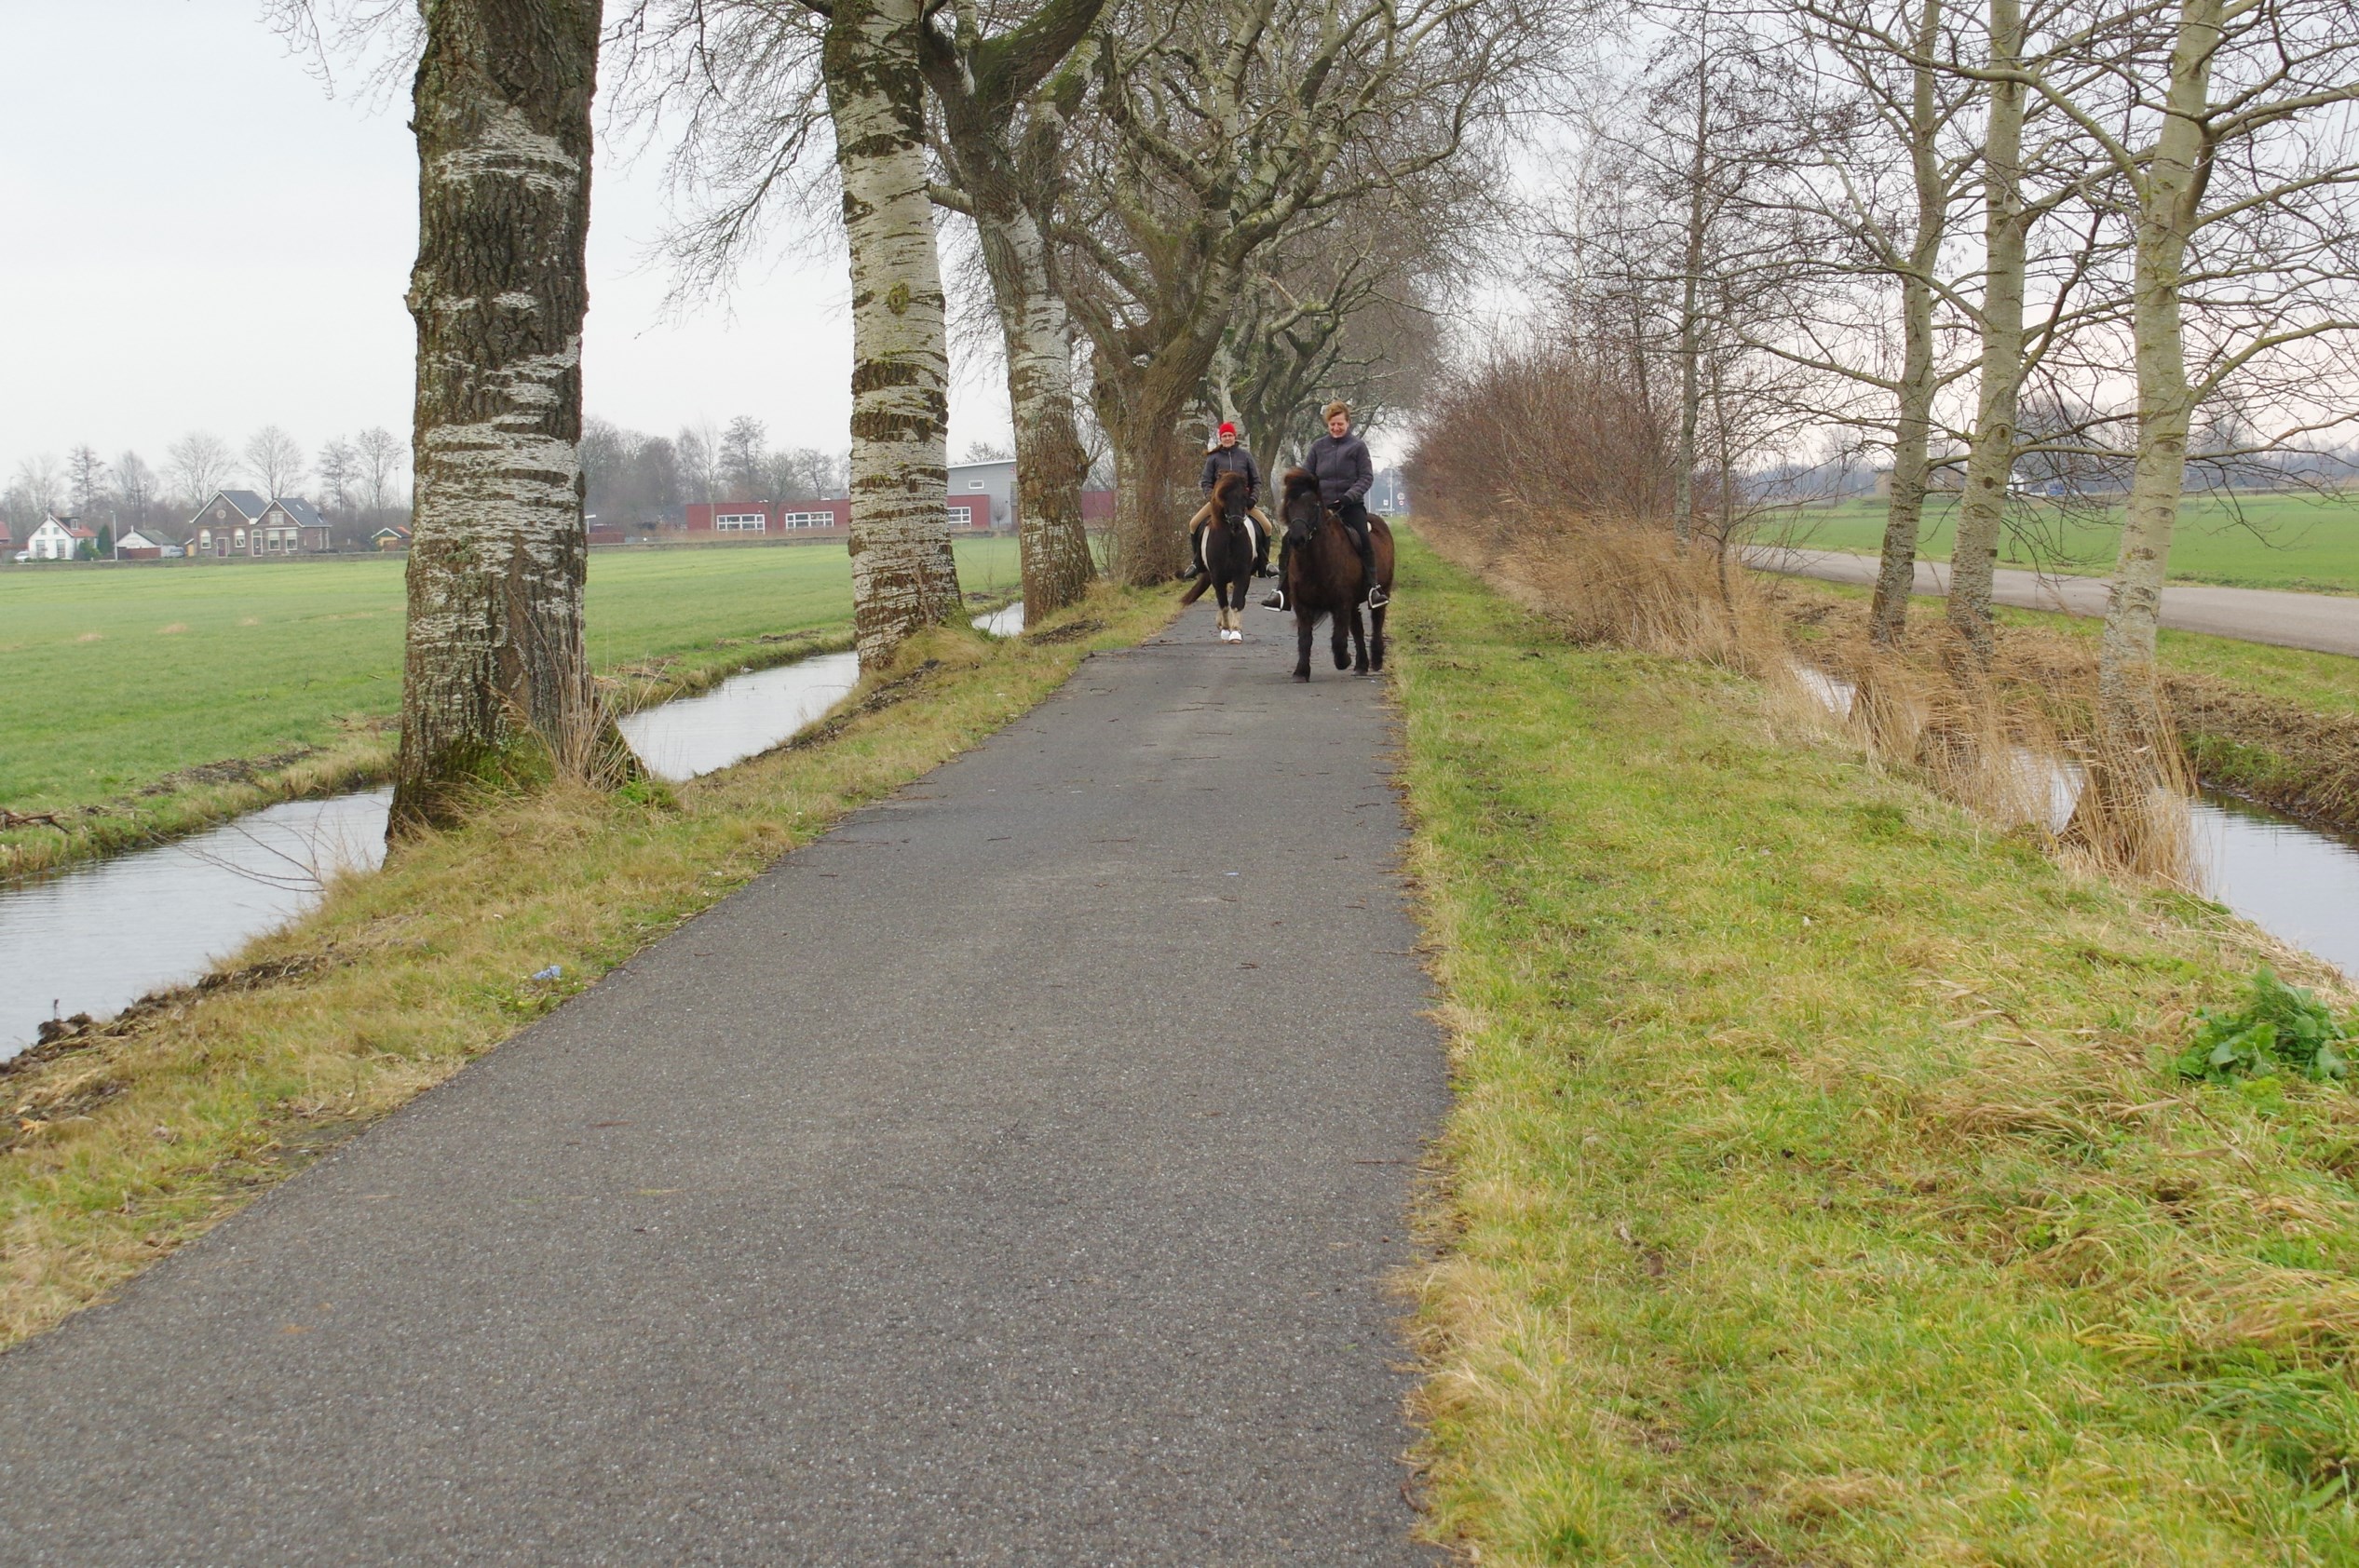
x: 744, y: 459
x: 33, y: 492
x: 494, y: 655
x: 378, y: 454
x: 198, y: 463
x: 134, y: 483
x: 274, y: 460
x: 697, y: 446
x: 2229, y: 133
x: 1336, y: 101
x: 1003, y: 121
x: 85, y: 480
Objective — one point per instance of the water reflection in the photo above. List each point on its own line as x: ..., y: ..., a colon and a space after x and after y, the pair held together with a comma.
x: 93, y: 939
x: 743, y: 715
x: 2295, y: 882
x: 1005, y: 621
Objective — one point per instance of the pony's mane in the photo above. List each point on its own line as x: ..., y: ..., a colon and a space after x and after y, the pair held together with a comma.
x: 1297, y: 480
x: 1229, y: 485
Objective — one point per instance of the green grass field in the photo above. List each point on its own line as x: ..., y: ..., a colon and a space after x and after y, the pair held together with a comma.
x: 2282, y: 541
x: 119, y: 678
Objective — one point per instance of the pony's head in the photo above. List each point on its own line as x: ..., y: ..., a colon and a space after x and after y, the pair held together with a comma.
x: 1301, y: 511
x: 1230, y: 492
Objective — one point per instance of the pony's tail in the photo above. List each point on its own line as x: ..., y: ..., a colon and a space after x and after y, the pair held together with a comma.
x: 1195, y: 590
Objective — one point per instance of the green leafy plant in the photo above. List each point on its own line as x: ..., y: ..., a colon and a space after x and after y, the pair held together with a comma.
x: 2279, y: 1027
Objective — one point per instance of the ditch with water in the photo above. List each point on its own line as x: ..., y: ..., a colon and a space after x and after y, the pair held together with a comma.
x: 110, y: 933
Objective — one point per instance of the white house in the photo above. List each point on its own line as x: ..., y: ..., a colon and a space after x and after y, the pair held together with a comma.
x: 58, y: 538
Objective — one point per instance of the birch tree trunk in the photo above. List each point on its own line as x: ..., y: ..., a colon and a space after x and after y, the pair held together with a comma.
x: 1683, y: 482
x: 1912, y: 423
x: 1051, y: 463
x: 2167, y: 198
x: 903, y: 576
x: 1990, y: 462
x: 494, y: 657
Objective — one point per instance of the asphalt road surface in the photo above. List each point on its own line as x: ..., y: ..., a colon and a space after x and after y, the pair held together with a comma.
x: 2325, y: 622
x: 1010, y: 1177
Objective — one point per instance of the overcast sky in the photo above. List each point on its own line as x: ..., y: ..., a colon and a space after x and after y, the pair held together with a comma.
x: 194, y: 235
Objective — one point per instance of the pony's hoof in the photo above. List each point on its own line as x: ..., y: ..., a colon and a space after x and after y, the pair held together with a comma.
x: 1302, y: 675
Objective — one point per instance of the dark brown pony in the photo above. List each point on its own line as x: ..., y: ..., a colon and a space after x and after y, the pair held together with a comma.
x: 1323, y: 577
x: 1229, y: 551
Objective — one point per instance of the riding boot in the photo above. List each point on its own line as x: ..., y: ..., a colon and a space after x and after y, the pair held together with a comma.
x: 1277, y: 599
x: 1195, y: 554
x: 1374, y: 596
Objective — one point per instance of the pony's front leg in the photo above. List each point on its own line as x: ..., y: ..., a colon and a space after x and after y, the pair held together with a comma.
x: 1304, y: 623
x: 1359, y: 644
x: 1341, y: 642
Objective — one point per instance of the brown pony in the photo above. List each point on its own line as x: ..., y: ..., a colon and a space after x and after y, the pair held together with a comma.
x: 1323, y: 578
x: 1229, y: 549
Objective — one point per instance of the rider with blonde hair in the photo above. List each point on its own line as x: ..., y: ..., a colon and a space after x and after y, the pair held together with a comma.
x: 1339, y: 460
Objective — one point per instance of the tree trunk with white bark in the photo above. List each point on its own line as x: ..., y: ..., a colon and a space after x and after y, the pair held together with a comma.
x: 1990, y: 462
x: 1912, y: 425
x: 495, y: 663
x: 1037, y: 332
x: 2167, y: 198
x: 903, y: 576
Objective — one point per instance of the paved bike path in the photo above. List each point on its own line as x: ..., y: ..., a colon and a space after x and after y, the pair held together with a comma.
x: 2324, y: 623
x: 997, y: 1180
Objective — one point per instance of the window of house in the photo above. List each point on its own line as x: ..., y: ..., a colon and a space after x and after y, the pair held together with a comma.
x: 974, y: 484
x: 806, y: 519
x: 241, y: 538
x: 739, y: 522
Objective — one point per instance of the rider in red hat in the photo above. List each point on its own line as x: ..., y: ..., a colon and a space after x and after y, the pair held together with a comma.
x: 1229, y: 456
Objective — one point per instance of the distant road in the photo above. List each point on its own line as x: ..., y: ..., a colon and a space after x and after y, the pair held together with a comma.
x: 2322, y: 621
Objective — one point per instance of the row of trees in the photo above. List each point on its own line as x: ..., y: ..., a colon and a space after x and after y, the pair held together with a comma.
x: 633, y: 477
x: 1178, y: 210
x: 2109, y: 247
x: 359, y: 479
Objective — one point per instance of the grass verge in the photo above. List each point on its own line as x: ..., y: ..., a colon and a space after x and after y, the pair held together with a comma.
x: 1817, y: 1189
x: 127, y: 1139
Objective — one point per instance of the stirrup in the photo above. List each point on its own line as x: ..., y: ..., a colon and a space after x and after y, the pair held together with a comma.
x: 1277, y: 599
x: 1378, y: 598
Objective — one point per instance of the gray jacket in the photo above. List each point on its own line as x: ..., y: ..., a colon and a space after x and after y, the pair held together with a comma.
x: 1232, y: 460
x: 1342, y: 467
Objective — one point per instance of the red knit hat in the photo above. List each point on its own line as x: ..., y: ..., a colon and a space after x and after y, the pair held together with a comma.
x: 1226, y: 428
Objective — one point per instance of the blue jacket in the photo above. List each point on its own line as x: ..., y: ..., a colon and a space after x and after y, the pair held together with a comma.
x: 1342, y: 468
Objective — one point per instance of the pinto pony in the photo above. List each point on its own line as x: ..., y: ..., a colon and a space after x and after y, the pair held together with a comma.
x: 1227, y: 548
x: 1322, y: 577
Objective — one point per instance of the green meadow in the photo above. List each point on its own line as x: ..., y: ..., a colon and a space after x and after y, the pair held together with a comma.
x: 2265, y: 541
x: 119, y: 678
